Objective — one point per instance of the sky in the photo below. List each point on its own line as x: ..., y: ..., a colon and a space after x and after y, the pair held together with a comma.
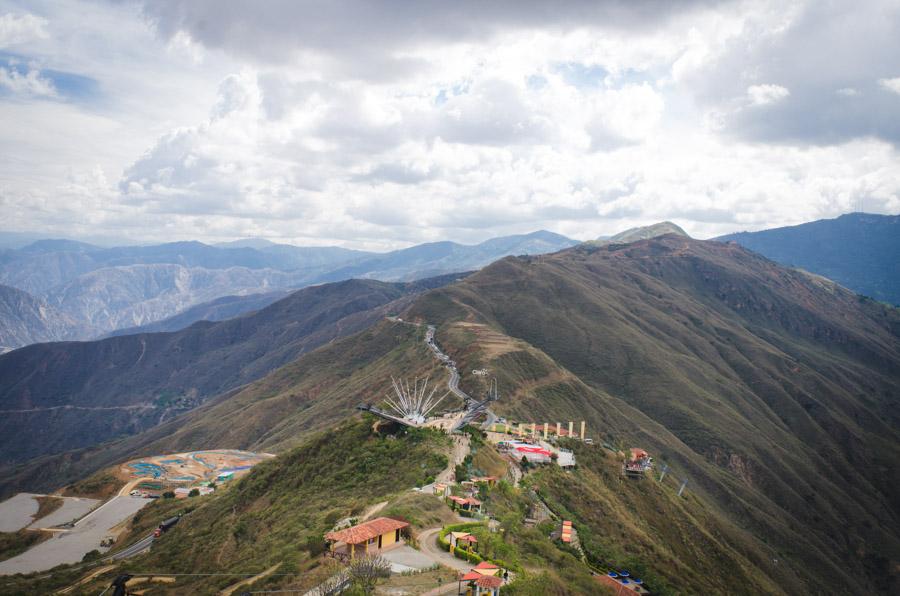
x: 377, y: 125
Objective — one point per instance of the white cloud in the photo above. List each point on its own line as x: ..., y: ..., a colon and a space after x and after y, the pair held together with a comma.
x: 761, y: 95
x: 848, y: 92
x: 891, y: 84
x: 19, y: 28
x: 31, y: 83
x: 214, y: 124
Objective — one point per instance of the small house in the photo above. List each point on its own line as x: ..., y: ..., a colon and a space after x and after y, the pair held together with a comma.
x: 368, y: 537
x: 465, y: 503
x: 225, y: 476
x: 463, y: 540
x: 182, y: 492
x: 484, y: 579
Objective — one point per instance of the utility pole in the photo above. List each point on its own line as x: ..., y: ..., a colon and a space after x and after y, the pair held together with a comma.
x: 683, y: 484
x: 662, y: 474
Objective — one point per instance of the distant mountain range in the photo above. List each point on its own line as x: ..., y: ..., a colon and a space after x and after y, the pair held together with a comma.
x: 95, y: 291
x: 860, y: 251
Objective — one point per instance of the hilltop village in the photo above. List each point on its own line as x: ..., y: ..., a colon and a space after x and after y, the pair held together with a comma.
x: 468, y: 544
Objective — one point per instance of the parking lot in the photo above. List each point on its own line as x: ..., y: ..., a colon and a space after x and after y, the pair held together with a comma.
x: 17, y: 512
x: 71, y: 546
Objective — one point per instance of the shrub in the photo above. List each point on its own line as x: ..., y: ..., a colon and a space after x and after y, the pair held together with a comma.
x: 168, y: 495
x: 91, y: 556
x: 194, y: 493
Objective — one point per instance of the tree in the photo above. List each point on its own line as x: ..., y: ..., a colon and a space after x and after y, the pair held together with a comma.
x: 194, y: 493
x: 168, y: 495
x: 366, y: 571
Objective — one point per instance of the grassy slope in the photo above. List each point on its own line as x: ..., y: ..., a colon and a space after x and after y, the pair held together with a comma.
x: 769, y: 389
x: 283, y: 506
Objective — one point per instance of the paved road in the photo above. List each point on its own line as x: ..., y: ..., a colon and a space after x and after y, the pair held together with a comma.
x: 406, y: 558
x: 72, y: 509
x: 429, y: 547
x: 71, y: 546
x: 135, y: 549
x: 17, y: 512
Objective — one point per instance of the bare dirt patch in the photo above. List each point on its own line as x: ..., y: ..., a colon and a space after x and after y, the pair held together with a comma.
x: 490, y: 341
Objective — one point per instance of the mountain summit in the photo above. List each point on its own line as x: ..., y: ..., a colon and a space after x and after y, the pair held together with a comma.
x: 642, y: 233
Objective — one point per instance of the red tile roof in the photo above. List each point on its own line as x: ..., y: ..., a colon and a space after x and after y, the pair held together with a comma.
x: 489, y: 582
x: 366, y: 531
x: 486, y: 565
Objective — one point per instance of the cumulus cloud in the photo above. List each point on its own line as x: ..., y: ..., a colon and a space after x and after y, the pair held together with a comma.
x: 413, y: 122
x: 29, y: 83
x: 19, y: 28
x: 813, y: 49
x: 891, y: 84
x: 761, y: 95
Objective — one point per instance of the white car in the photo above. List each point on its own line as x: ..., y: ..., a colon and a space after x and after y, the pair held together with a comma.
x: 135, y: 493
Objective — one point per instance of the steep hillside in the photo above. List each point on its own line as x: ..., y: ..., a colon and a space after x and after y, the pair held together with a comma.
x: 220, y: 309
x: 70, y: 395
x: 271, y: 414
x: 26, y: 320
x: 860, y: 251
x: 772, y: 390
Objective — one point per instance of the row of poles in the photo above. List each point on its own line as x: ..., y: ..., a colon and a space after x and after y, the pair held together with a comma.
x: 522, y: 429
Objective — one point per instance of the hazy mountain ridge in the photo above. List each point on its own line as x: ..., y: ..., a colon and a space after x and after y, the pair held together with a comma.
x: 107, y: 289
x: 859, y: 250
x: 132, y: 295
x: 220, y: 309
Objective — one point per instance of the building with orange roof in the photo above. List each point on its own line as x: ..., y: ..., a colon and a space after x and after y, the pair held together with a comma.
x: 368, y: 537
x: 466, y: 503
x: 484, y: 579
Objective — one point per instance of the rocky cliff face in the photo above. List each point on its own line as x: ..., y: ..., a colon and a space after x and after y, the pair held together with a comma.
x: 26, y: 320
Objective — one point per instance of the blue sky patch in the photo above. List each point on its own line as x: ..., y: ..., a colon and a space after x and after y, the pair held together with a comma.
x: 69, y: 86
